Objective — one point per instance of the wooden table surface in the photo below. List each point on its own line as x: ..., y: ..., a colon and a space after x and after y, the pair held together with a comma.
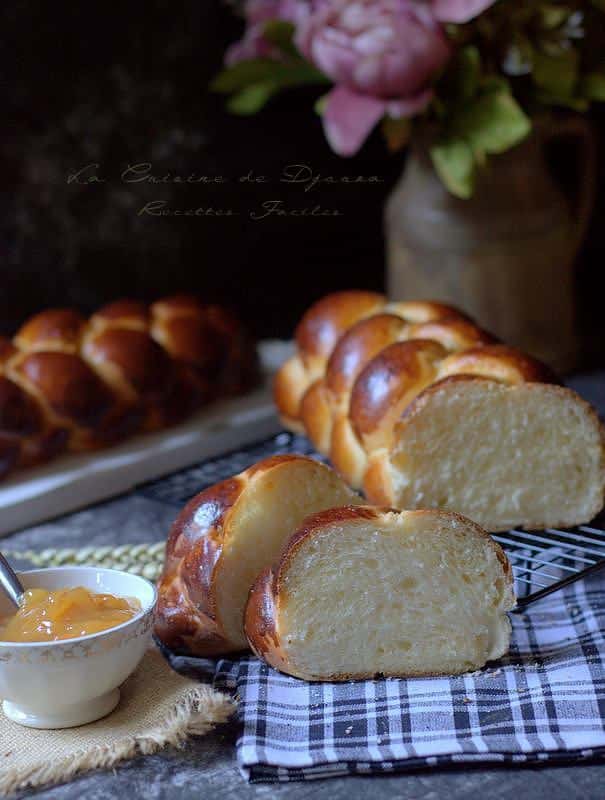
x: 206, y: 768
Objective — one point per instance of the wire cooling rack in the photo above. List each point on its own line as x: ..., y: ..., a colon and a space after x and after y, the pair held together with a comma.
x: 543, y: 561
x: 546, y: 561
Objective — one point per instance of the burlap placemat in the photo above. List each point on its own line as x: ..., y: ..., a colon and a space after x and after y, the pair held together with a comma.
x: 158, y: 707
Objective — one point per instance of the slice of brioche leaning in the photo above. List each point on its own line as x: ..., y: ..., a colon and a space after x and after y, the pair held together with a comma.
x: 222, y: 540
x: 363, y: 591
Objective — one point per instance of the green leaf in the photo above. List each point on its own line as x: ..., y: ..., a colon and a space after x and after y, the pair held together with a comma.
x: 575, y: 103
x: 255, y: 81
x: 460, y: 81
x: 320, y: 104
x: 297, y: 73
x: 252, y: 98
x: 242, y: 74
x: 553, y: 16
x: 396, y: 132
x: 556, y: 74
x: 281, y: 34
x: 592, y: 86
x: 495, y: 83
x: 469, y: 70
x: 454, y: 162
x: 493, y: 123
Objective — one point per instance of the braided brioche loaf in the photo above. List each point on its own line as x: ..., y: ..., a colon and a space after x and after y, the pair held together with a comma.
x: 421, y: 408
x: 72, y: 384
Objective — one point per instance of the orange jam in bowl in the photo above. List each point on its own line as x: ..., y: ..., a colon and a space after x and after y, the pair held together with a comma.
x: 51, y: 615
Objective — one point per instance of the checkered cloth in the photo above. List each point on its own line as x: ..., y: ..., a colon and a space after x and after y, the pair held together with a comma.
x: 544, y: 702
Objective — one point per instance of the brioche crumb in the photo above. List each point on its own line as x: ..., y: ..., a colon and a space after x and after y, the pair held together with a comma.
x: 530, y: 455
x: 430, y: 598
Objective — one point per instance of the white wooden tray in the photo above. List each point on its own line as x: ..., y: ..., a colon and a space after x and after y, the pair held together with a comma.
x: 75, y: 481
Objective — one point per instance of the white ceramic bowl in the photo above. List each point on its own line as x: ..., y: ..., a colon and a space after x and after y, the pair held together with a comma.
x: 74, y: 681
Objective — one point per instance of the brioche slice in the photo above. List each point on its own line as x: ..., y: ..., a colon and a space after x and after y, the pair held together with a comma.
x: 529, y: 455
x: 224, y: 537
x: 363, y: 591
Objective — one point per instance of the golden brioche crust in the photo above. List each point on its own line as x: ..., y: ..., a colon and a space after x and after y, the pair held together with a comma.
x: 73, y: 400
x: 141, y: 372
x: 126, y: 313
x: 66, y: 386
x: 186, y: 618
x: 130, y: 367
x: 290, y: 383
x: 260, y: 621
x: 341, y: 333
x: 322, y: 325
x: 26, y: 437
x: 316, y: 415
x: 59, y: 328
x: 424, y: 310
x: 357, y: 346
x: 499, y: 362
x: 387, y: 384
x: 346, y: 451
x: 453, y: 333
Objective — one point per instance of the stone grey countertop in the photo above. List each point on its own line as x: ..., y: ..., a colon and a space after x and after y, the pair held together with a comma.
x: 206, y: 767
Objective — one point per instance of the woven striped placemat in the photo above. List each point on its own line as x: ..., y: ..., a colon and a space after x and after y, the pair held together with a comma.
x: 140, y: 559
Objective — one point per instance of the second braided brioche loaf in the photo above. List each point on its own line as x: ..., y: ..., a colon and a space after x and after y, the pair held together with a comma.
x: 421, y: 408
x: 68, y: 383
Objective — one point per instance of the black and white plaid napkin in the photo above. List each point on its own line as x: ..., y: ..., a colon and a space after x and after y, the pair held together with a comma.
x: 544, y: 702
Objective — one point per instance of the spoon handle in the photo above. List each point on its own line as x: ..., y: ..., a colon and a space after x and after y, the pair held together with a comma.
x: 10, y: 582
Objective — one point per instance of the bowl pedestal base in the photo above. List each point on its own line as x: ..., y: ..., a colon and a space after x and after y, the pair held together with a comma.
x: 67, y: 717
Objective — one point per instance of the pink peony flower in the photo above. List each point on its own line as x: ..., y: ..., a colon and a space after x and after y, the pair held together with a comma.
x: 257, y: 13
x: 459, y: 11
x: 382, y: 54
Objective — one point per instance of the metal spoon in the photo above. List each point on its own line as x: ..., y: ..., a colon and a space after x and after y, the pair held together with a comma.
x: 10, y: 582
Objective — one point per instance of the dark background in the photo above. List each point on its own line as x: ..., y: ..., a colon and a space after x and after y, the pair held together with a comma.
x: 120, y: 84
